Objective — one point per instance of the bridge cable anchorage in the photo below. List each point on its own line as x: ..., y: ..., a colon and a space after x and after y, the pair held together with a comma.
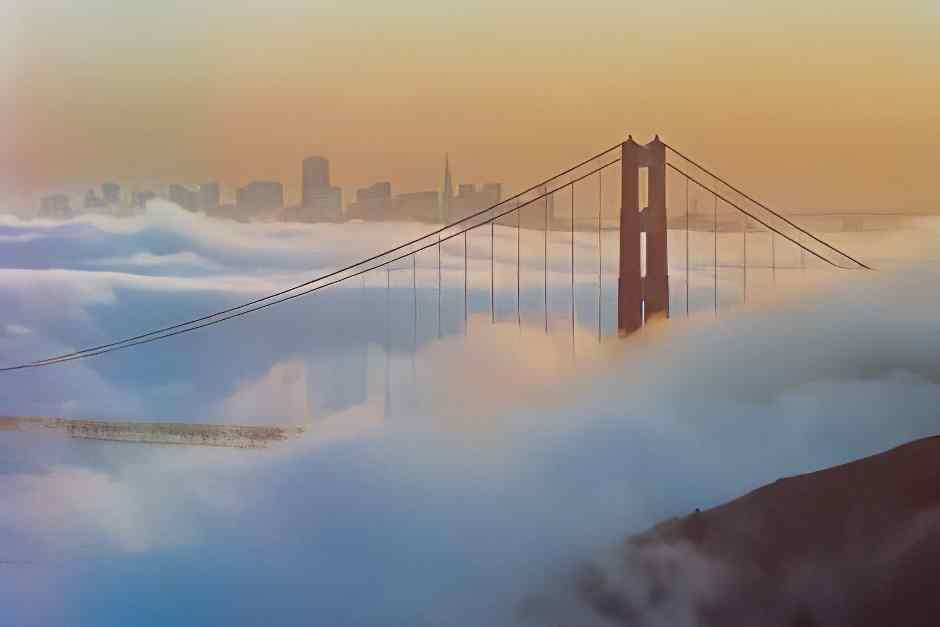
x: 766, y: 208
x: 329, y: 275
x: 769, y: 228
x: 354, y: 268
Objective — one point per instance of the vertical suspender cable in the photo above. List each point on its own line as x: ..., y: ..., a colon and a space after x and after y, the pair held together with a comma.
x: 388, y: 348
x: 545, y: 269
x: 465, y: 285
x: 518, y: 260
x: 687, y: 248
x: 773, y: 257
x: 600, y: 252
x: 492, y: 273
x: 573, y: 311
x: 438, y: 286
x: 716, y: 255
x: 745, y: 259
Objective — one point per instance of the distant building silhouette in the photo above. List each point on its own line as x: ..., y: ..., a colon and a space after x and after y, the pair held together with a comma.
x: 493, y: 192
x: 140, y: 199
x: 55, y: 206
x: 319, y: 200
x: 422, y: 206
x: 447, y: 193
x: 209, y: 196
x: 372, y: 203
x: 92, y: 201
x: 469, y: 199
x: 258, y: 197
x: 316, y: 175
x: 111, y: 193
x: 186, y: 196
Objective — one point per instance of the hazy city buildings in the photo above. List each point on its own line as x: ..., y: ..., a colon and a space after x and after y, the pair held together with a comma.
x: 140, y: 199
x: 470, y: 199
x: 210, y: 196
x: 447, y: 193
x: 319, y: 200
x: 111, y: 194
x: 92, y: 201
x: 258, y: 197
x: 421, y: 206
x: 186, y: 196
x: 55, y: 206
x: 205, y: 197
x: 372, y: 203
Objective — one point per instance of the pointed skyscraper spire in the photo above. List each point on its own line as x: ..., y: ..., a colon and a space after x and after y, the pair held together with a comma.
x: 448, y: 191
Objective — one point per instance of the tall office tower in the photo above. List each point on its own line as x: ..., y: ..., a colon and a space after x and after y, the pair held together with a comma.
x: 448, y: 192
x: 316, y: 176
x: 111, y: 193
x: 324, y: 201
x: 209, y: 196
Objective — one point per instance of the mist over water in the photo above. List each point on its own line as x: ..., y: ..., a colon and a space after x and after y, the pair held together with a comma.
x: 443, y: 489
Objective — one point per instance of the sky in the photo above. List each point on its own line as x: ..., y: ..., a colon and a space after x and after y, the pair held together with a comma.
x: 825, y: 105
x: 509, y: 461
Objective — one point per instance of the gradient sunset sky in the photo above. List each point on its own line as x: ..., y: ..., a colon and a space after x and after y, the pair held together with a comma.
x: 806, y: 104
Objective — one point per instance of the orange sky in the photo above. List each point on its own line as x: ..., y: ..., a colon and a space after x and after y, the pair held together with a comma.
x: 834, y: 106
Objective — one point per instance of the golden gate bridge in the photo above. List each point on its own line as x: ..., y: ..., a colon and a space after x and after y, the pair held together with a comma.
x: 671, y: 219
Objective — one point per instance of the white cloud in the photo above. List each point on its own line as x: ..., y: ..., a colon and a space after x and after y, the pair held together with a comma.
x: 510, y: 455
x: 17, y: 329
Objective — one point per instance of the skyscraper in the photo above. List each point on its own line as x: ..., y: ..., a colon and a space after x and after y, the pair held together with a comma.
x: 325, y: 201
x: 316, y: 177
x: 447, y: 193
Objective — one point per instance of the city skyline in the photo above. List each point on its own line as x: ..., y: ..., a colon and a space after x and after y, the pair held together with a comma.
x: 318, y: 199
x: 161, y: 98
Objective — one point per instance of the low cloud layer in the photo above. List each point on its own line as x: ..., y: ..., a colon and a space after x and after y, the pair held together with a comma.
x: 452, y: 488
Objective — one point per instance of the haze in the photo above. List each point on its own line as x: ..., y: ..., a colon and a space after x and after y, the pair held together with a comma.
x: 832, y: 106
